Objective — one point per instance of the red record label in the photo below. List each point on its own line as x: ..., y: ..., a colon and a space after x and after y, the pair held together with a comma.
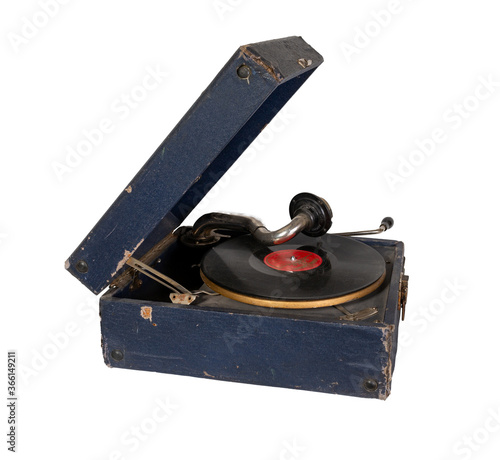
x: 293, y: 260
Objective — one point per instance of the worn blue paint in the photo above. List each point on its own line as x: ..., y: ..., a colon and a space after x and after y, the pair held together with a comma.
x: 220, y: 125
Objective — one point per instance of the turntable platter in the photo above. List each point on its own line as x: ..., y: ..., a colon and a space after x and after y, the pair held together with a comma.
x: 307, y: 272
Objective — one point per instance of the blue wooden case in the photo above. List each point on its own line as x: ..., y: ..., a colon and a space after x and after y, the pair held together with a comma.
x: 223, y: 339
x: 216, y: 337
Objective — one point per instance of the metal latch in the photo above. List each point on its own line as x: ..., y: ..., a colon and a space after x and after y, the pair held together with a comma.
x: 403, y: 295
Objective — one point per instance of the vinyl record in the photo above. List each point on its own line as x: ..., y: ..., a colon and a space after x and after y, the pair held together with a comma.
x: 306, y: 272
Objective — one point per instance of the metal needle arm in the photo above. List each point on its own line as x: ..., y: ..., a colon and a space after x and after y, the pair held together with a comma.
x: 310, y: 214
x: 386, y: 224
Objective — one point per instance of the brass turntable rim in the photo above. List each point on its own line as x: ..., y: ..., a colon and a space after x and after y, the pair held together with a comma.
x: 293, y: 304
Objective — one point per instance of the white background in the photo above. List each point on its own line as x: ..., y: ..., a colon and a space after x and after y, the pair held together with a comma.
x: 354, y: 124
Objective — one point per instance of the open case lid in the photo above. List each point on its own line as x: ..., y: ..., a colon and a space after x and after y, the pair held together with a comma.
x: 242, y: 99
